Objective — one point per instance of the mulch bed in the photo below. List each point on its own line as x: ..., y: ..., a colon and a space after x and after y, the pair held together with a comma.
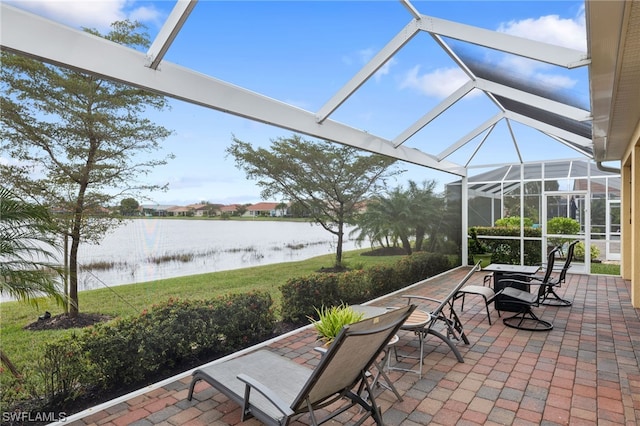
x: 64, y: 321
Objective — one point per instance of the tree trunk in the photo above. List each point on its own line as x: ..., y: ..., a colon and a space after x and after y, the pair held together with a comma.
x: 339, y: 247
x: 420, y: 232
x: 7, y: 363
x: 76, y: 228
x: 406, y: 244
x: 74, y: 308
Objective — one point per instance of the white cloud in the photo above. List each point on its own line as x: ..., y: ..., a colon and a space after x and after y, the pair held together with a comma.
x: 551, y: 29
x: 358, y: 58
x: 439, y: 83
x: 385, y: 69
x: 97, y: 14
x: 365, y: 55
x: 554, y: 80
x: 146, y: 14
x: 548, y: 29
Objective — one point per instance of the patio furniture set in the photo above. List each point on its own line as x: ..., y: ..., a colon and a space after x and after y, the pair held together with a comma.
x: 275, y: 389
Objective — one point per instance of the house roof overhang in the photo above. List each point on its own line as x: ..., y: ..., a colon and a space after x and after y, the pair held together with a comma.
x: 613, y: 36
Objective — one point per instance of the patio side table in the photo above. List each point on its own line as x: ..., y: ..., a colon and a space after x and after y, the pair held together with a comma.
x: 504, y: 271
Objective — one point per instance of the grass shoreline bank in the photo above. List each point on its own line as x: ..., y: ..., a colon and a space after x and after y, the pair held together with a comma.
x: 132, y: 299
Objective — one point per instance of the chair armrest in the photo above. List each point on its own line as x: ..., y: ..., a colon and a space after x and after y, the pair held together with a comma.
x: 277, y: 402
x: 428, y: 299
x: 320, y: 349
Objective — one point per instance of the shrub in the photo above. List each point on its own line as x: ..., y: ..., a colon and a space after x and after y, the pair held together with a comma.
x: 114, y: 349
x: 65, y: 371
x: 563, y: 225
x: 421, y: 265
x: 132, y: 349
x: 514, y: 222
x: 579, y: 251
x: 301, y: 295
x: 508, y: 250
x: 383, y: 280
x: 21, y: 393
x: 354, y: 287
x: 243, y: 319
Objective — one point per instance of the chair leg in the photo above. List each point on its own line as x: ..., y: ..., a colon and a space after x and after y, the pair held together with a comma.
x: 420, y: 357
x: 554, y: 300
x: 486, y: 305
x: 455, y: 329
x: 527, y: 320
x: 449, y: 343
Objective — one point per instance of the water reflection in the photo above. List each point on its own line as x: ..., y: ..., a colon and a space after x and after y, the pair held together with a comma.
x: 151, y: 249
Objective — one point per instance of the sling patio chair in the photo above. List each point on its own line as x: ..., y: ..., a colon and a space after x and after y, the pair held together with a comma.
x: 484, y: 290
x: 524, y: 317
x: 442, y: 314
x: 551, y: 298
x: 274, y: 389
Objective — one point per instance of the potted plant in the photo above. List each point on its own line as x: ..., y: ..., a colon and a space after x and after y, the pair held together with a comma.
x: 332, y: 319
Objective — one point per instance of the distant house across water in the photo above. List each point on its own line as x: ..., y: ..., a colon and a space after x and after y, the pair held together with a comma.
x: 269, y: 209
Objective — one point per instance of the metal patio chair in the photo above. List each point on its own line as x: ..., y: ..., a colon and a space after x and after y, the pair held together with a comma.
x: 551, y: 298
x: 525, y: 318
x: 275, y: 389
x: 485, y: 291
x: 441, y: 321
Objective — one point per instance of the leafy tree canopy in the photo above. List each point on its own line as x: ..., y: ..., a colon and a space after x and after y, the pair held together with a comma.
x: 129, y: 206
x: 327, y: 180
x: 77, y: 141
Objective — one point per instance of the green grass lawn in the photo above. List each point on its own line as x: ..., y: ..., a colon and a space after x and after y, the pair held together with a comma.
x: 20, y: 344
x: 605, y: 269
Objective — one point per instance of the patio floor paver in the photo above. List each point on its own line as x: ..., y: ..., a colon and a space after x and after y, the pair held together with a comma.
x: 584, y: 371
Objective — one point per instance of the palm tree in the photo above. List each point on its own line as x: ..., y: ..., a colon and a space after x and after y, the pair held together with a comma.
x: 27, y: 259
x: 387, y: 220
x: 428, y: 215
x: 373, y: 225
x: 407, y: 215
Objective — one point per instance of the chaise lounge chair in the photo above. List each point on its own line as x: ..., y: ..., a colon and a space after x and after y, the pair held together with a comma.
x: 275, y: 389
x: 442, y: 315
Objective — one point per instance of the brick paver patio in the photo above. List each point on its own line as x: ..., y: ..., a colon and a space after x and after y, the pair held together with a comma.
x: 585, y: 371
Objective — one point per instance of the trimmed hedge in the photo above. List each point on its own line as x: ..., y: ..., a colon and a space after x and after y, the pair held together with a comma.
x: 132, y: 349
x: 135, y: 349
x: 507, y: 250
x: 302, y: 296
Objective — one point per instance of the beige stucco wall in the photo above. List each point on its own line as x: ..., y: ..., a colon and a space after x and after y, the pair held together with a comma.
x: 630, y: 259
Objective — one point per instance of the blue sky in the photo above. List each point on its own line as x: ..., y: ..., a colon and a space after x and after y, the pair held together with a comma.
x: 302, y: 52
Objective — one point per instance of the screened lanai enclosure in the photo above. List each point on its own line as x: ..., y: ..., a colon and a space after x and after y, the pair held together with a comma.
x: 487, y: 110
x: 536, y: 193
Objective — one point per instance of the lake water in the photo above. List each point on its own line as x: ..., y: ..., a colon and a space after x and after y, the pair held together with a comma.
x: 204, y: 246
